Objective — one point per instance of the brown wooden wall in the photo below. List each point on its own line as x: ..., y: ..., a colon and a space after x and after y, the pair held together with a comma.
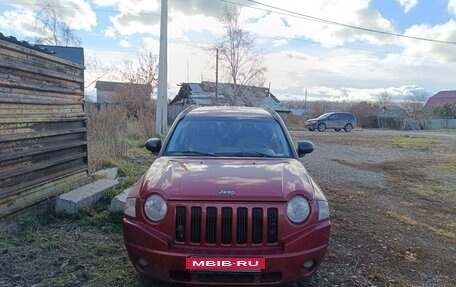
x: 43, y: 146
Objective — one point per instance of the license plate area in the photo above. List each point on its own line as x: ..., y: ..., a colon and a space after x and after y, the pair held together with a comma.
x: 236, y: 264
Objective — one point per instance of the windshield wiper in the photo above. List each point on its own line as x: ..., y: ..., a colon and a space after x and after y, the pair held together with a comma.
x: 252, y: 154
x: 189, y: 152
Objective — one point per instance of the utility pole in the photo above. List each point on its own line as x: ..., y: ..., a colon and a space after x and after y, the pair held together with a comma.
x: 161, y: 120
x: 216, y: 77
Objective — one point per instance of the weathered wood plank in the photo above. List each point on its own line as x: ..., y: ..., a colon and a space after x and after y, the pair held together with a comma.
x: 15, y: 82
x: 40, y: 191
x: 41, y: 118
x: 53, y: 71
x: 15, y: 74
x: 43, y: 134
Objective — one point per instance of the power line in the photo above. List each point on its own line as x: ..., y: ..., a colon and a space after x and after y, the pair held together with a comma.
x: 321, y: 20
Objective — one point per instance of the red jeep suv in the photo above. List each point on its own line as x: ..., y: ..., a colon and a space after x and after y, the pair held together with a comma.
x: 227, y: 202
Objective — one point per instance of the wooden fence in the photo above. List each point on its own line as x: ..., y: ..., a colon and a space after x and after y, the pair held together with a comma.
x: 440, y: 124
x: 43, y: 147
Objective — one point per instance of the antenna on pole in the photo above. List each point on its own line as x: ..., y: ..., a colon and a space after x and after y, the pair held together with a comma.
x: 161, y: 119
x: 187, y: 71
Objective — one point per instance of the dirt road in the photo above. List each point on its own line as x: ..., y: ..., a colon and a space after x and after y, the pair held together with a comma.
x: 392, y: 199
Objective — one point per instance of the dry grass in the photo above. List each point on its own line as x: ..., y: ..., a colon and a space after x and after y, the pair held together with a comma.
x: 112, y: 128
x: 294, y: 122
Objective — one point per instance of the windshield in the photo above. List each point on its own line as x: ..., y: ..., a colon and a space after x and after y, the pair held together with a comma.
x: 228, y: 137
x: 324, y: 116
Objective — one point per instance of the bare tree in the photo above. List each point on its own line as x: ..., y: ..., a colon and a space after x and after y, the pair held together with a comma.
x: 143, y: 70
x: 239, y: 57
x: 53, y: 29
x: 414, y: 106
x: 142, y: 74
x: 384, y: 99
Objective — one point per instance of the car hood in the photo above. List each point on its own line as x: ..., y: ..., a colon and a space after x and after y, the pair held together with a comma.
x: 312, y: 120
x: 226, y: 179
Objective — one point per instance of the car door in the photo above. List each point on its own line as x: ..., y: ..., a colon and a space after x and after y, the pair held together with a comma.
x: 332, y: 121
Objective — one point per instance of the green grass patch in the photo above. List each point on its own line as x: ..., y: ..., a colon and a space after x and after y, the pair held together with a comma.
x: 410, y: 142
x: 447, y: 166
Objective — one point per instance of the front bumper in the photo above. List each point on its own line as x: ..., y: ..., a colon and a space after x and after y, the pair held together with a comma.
x: 310, y: 125
x: 156, y: 256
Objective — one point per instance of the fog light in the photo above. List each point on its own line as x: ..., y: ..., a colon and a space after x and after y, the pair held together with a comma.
x: 309, y: 264
x: 143, y: 262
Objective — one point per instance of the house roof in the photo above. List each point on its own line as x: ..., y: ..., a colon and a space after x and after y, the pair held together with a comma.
x: 204, y: 94
x: 118, y: 86
x: 389, y: 111
x: 439, y: 99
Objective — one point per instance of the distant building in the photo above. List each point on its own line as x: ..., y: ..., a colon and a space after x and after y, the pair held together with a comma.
x: 204, y: 94
x: 392, y: 117
x: 440, y: 99
x: 113, y: 92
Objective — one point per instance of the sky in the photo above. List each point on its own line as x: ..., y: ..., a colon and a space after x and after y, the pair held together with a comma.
x: 336, y: 50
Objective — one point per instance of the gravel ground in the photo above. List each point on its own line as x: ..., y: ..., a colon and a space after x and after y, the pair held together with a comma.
x: 388, y: 230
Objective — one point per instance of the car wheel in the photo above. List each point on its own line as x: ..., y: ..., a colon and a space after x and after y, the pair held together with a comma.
x: 311, y: 130
x: 337, y: 130
x: 348, y: 128
x: 321, y: 127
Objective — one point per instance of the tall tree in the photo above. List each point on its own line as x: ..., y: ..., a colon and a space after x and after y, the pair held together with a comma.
x: 239, y: 57
x: 53, y: 29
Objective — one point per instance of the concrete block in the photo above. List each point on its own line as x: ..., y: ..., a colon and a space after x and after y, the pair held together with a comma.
x: 118, y: 202
x: 72, y: 201
x: 109, y: 173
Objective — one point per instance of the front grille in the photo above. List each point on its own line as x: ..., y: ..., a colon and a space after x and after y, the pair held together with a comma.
x: 226, y: 225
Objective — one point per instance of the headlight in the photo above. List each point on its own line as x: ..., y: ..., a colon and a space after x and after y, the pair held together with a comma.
x: 130, y: 207
x: 155, y: 207
x: 323, y: 210
x: 298, y: 209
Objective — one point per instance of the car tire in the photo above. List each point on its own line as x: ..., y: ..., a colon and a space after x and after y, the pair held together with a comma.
x: 348, y: 128
x: 337, y: 130
x: 321, y: 127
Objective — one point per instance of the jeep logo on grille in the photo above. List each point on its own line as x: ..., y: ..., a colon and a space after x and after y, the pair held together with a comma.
x: 227, y: 192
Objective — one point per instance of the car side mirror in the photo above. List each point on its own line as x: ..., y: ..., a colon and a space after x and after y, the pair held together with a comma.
x: 153, y: 145
x: 304, y: 147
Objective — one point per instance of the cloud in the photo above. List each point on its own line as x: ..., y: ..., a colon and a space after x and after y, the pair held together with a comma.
x: 133, y: 23
x: 452, y: 7
x: 357, y: 72
x: 398, y: 94
x: 105, y: 3
x: 10, y: 25
x: 439, y: 51
x: 280, y: 43
x: 408, y: 4
x: 19, y: 21
x: 124, y: 43
x: 355, y: 13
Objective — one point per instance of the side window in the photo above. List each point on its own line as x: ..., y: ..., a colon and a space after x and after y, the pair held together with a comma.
x: 334, y: 117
